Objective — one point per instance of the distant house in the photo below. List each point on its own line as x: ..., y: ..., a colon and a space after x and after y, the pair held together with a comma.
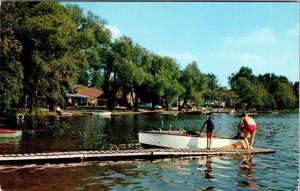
x: 121, y: 98
x: 215, y: 104
x: 85, y: 96
x: 77, y: 100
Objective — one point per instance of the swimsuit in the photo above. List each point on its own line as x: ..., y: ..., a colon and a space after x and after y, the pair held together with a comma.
x: 210, y: 125
x: 250, y: 128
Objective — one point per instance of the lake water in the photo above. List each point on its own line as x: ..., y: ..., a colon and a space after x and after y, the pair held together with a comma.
x: 278, y: 171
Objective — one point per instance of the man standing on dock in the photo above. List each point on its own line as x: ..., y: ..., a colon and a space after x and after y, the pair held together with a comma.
x: 210, y: 127
x: 248, y: 125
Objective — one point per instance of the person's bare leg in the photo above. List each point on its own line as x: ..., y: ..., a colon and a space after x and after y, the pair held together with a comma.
x: 210, y: 137
x: 246, y: 140
x: 252, y: 139
x: 207, y: 140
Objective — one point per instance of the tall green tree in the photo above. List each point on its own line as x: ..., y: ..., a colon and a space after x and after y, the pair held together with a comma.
x: 243, y: 72
x: 270, y: 81
x: 169, y: 76
x: 11, y: 69
x: 211, y: 93
x: 195, y: 84
x: 50, y: 61
x: 128, y: 61
x: 94, y: 39
x: 284, y: 96
x: 123, y: 70
x: 141, y: 60
x: 250, y: 94
x: 164, y: 86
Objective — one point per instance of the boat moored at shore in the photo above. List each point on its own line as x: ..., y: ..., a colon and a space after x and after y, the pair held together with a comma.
x: 103, y: 113
x: 6, y: 133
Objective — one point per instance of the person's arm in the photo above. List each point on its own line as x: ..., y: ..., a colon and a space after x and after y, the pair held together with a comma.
x: 202, y: 128
x: 241, y: 123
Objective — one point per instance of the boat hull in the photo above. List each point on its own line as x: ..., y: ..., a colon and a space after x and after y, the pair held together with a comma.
x: 102, y: 113
x: 175, y: 139
x: 6, y: 133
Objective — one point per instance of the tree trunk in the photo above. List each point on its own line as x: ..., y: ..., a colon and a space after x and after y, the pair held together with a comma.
x: 135, y: 101
x: 184, y: 102
x: 167, y: 104
x: 52, y: 105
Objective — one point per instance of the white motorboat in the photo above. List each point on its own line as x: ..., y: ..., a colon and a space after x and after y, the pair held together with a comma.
x: 182, y: 139
x: 103, y: 113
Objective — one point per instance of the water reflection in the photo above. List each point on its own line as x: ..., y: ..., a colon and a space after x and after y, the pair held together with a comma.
x: 214, y: 173
x: 247, y: 171
x: 208, y: 171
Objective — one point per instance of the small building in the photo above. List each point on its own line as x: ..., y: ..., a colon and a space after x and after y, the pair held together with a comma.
x: 85, y: 96
x: 92, y: 94
x: 77, y: 100
x: 121, y: 99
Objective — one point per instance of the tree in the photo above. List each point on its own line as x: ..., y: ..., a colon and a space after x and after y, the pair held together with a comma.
x: 250, y: 94
x: 296, y: 91
x: 50, y: 61
x: 11, y: 69
x: 284, y: 96
x: 270, y: 81
x: 165, y: 84
x: 212, y: 87
x: 229, y: 96
x: 94, y: 39
x: 243, y: 72
x: 194, y: 82
x: 123, y: 71
x: 142, y: 60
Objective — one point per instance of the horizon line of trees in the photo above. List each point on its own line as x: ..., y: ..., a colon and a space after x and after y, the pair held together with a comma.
x: 48, y: 48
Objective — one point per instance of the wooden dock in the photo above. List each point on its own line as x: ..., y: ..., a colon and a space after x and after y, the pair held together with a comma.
x: 118, y: 155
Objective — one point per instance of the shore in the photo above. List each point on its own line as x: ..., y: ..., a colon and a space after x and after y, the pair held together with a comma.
x: 121, y: 111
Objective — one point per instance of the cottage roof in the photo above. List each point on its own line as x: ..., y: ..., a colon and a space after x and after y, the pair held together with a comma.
x: 90, y: 92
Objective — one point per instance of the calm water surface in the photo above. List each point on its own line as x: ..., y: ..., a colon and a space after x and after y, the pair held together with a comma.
x: 279, y: 171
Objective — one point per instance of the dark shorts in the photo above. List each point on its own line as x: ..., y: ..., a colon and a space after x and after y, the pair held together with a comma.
x: 210, y: 129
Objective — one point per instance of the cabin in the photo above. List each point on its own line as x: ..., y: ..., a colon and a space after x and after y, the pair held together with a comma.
x: 77, y: 100
x: 85, y: 96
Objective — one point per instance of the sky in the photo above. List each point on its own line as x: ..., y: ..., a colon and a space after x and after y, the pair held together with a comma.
x: 220, y: 36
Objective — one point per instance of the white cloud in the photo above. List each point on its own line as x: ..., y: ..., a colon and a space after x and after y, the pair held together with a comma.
x: 116, y: 32
x: 244, y: 58
x: 294, y: 32
x: 262, y: 36
x: 182, y: 58
x: 282, y: 64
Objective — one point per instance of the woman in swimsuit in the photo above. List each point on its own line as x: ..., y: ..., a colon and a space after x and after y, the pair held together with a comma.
x: 210, y: 127
x: 249, y: 128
